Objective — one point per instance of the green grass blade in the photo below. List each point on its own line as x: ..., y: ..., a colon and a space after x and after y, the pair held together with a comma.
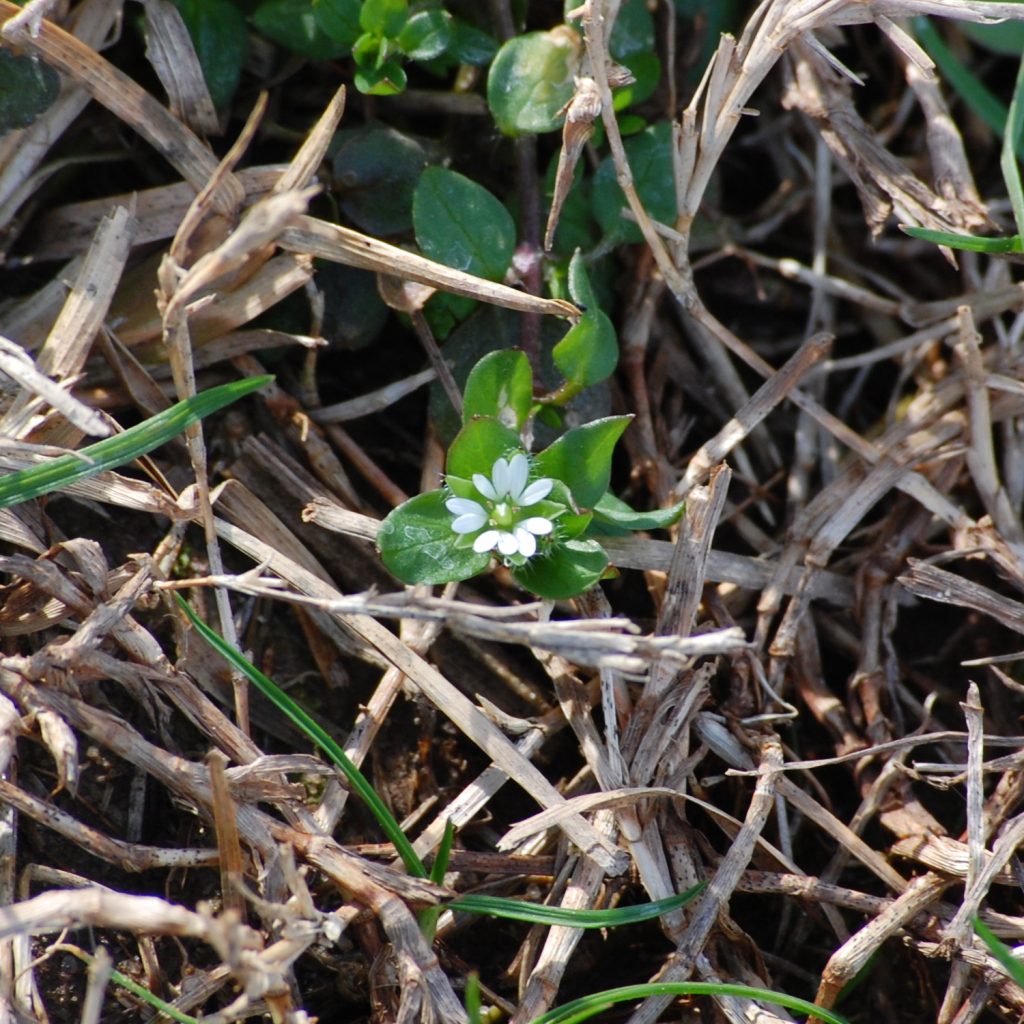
x: 983, y: 103
x: 288, y: 707
x: 123, y: 981
x: 971, y: 243
x: 473, y: 1008
x: 111, y: 452
x: 1008, y: 157
x: 444, y: 853
x: 1000, y: 951
x: 535, y: 913
x: 589, y: 1006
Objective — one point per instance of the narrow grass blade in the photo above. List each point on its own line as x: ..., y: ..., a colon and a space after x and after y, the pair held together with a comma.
x: 1000, y: 951
x: 288, y: 707
x: 26, y: 484
x: 971, y: 243
x: 589, y: 1006
x: 983, y: 103
x: 473, y: 1008
x: 535, y: 913
x: 428, y: 918
x: 123, y: 981
x: 1008, y: 157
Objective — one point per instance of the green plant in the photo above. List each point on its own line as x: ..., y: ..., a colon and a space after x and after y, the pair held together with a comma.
x: 542, y: 515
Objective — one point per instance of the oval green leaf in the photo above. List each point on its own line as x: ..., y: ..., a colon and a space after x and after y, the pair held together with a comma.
x: 417, y: 544
x: 582, y: 458
x: 565, y: 571
x: 426, y: 35
x: 531, y: 80
x: 589, y: 352
x: 478, y: 444
x: 459, y: 223
x: 384, y: 18
x: 501, y: 386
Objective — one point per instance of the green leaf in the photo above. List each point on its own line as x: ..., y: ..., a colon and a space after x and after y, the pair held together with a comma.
x: 384, y: 79
x: 539, y: 913
x: 471, y: 46
x: 375, y: 172
x: 589, y: 1006
x: 589, y: 352
x: 1006, y: 39
x: 459, y: 223
x: 417, y: 544
x: 979, y: 98
x: 478, y: 445
x: 426, y: 35
x: 315, y: 732
x: 650, y: 158
x: 383, y: 17
x: 633, y: 32
x: 221, y: 39
x: 293, y: 25
x: 970, y: 243
x: 1008, y: 157
x: 531, y: 80
x: 27, y: 88
x: 339, y: 19
x: 1000, y: 951
x: 614, y: 512
x: 646, y: 70
x: 124, y: 447
x: 501, y: 386
x: 566, y: 570
x: 582, y: 458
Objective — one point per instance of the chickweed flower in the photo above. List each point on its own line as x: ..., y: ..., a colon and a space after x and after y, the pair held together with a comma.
x: 498, y: 515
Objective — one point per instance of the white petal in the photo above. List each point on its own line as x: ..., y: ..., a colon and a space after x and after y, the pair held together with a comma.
x: 499, y: 474
x: 486, y: 541
x: 518, y: 472
x: 484, y: 486
x: 527, y: 542
x: 470, y: 522
x: 464, y: 506
x: 538, y: 525
x: 507, y: 543
x: 536, y: 491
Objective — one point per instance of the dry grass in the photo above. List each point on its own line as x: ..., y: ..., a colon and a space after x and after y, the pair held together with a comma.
x: 806, y: 706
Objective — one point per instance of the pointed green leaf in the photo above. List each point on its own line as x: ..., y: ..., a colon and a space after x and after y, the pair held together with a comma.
x: 500, y: 385
x: 459, y: 223
x: 121, y: 448
x: 417, y: 544
x: 540, y: 913
x: 478, y: 444
x: 565, y: 571
x: 582, y: 458
x: 614, y: 512
x: 969, y: 243
x: 309, y: 725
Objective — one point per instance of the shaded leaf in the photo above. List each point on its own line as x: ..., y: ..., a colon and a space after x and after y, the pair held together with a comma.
x: 221, y: 39
x: 27, y: 88
x: 339, y: 19
x: 293, y: 25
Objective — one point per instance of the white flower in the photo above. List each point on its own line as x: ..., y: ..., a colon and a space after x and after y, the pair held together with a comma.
x: 505, y: 494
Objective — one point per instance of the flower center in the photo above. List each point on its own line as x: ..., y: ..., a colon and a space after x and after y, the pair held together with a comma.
x: 503, y: 515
